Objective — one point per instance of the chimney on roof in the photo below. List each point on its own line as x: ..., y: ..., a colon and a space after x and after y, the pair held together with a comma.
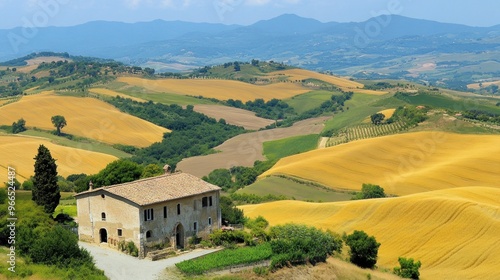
x: 90, y: 185
x: 167, y: 169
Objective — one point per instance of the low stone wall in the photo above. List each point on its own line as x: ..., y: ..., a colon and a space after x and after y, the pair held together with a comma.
x: 160, y: 254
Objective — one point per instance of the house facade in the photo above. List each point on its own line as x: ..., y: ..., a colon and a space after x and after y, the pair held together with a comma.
x: 165, y: 210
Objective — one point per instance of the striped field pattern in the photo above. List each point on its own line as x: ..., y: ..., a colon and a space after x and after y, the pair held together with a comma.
x: 453, y: 232
x: 402, y: 164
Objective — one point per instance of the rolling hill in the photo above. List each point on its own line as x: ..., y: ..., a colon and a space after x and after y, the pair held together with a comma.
x: 454, y: 232
x: 86, y: 117
x: 19, y: 151
x: 219, y: 89
x: 402, y: 164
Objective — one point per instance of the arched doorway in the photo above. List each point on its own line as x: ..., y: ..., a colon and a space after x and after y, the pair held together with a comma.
x: 103, y: 234
x: 179, y: 236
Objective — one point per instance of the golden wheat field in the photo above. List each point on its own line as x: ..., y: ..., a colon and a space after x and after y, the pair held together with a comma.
x: 112, y: 93
x: 454, y: 232
x: 87, y: 117
x: 19, y: 151
x: 343, y: 83
x: 402, y: 164
x: 219, y: 89
x: 484, y: 84
x: 388, y: 113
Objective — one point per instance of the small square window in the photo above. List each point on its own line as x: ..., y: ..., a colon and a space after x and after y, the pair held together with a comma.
x: 119, y: 232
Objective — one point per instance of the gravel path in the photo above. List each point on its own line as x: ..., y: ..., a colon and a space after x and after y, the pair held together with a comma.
x: 117, y: 265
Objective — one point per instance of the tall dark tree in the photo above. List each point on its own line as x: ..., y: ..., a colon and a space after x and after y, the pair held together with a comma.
x: 45, y: 189
x: 59, y: 122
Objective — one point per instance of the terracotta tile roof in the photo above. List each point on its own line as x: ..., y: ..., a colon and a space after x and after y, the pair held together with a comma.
x: 159, y: 189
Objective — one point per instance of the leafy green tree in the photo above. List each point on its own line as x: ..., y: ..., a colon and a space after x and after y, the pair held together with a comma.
x: 221, y: 178
x: 45, y: 189
x: 370, y: 191
x: 28, y: 184
x: 117, y: 172
x: 408, y: 268
x: 19, y: 126
x: 363, y: 249
x: 230, y: 214
x: 59, y: 122
x: 377, y: 118
x: 152, y: 170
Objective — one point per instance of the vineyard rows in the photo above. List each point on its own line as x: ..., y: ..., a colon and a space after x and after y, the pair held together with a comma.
x: 365, y: 131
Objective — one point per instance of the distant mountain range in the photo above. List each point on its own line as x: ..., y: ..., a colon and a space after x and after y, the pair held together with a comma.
x: 388, y: 46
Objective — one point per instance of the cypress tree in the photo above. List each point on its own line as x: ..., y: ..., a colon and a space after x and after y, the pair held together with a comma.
x: 45, y: 190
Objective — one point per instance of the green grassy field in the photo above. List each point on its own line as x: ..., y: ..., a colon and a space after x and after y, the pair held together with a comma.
x: 290, y: 146
x: 85, y: 144
x: 290, y: 188
x: 360, y: 107
x: 226, y: 258
x: 67, y: 205
x: 445, y: 102
x: 309, y: 100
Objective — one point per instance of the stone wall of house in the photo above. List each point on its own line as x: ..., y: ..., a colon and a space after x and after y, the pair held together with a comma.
x: 192, y: 210
x: 119, y: 215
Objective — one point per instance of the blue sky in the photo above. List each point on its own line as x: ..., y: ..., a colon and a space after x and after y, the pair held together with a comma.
x: 71, y: 12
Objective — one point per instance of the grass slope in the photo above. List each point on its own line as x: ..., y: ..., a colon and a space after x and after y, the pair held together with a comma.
x: 402, y: 164
x: 87, y: 117
x: 454, y: 232
x: 289, y: 146
x: 360, y: 107
x: 310, y: 100
x: 219, y: 89
x: 18, y: 152
x: 275, y: 185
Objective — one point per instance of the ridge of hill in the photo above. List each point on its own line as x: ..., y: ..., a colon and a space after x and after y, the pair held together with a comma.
x: 451, y: 54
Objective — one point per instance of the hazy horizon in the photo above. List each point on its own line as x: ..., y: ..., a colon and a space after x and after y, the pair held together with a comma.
x: 41, y: 13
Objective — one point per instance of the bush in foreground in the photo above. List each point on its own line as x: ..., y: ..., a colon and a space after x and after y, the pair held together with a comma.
x: 364, y: 249
x: 408, y: 268
x: 297, y: 244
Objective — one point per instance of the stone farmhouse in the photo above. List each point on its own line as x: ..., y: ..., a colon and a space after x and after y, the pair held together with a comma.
x: 163, y: 210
